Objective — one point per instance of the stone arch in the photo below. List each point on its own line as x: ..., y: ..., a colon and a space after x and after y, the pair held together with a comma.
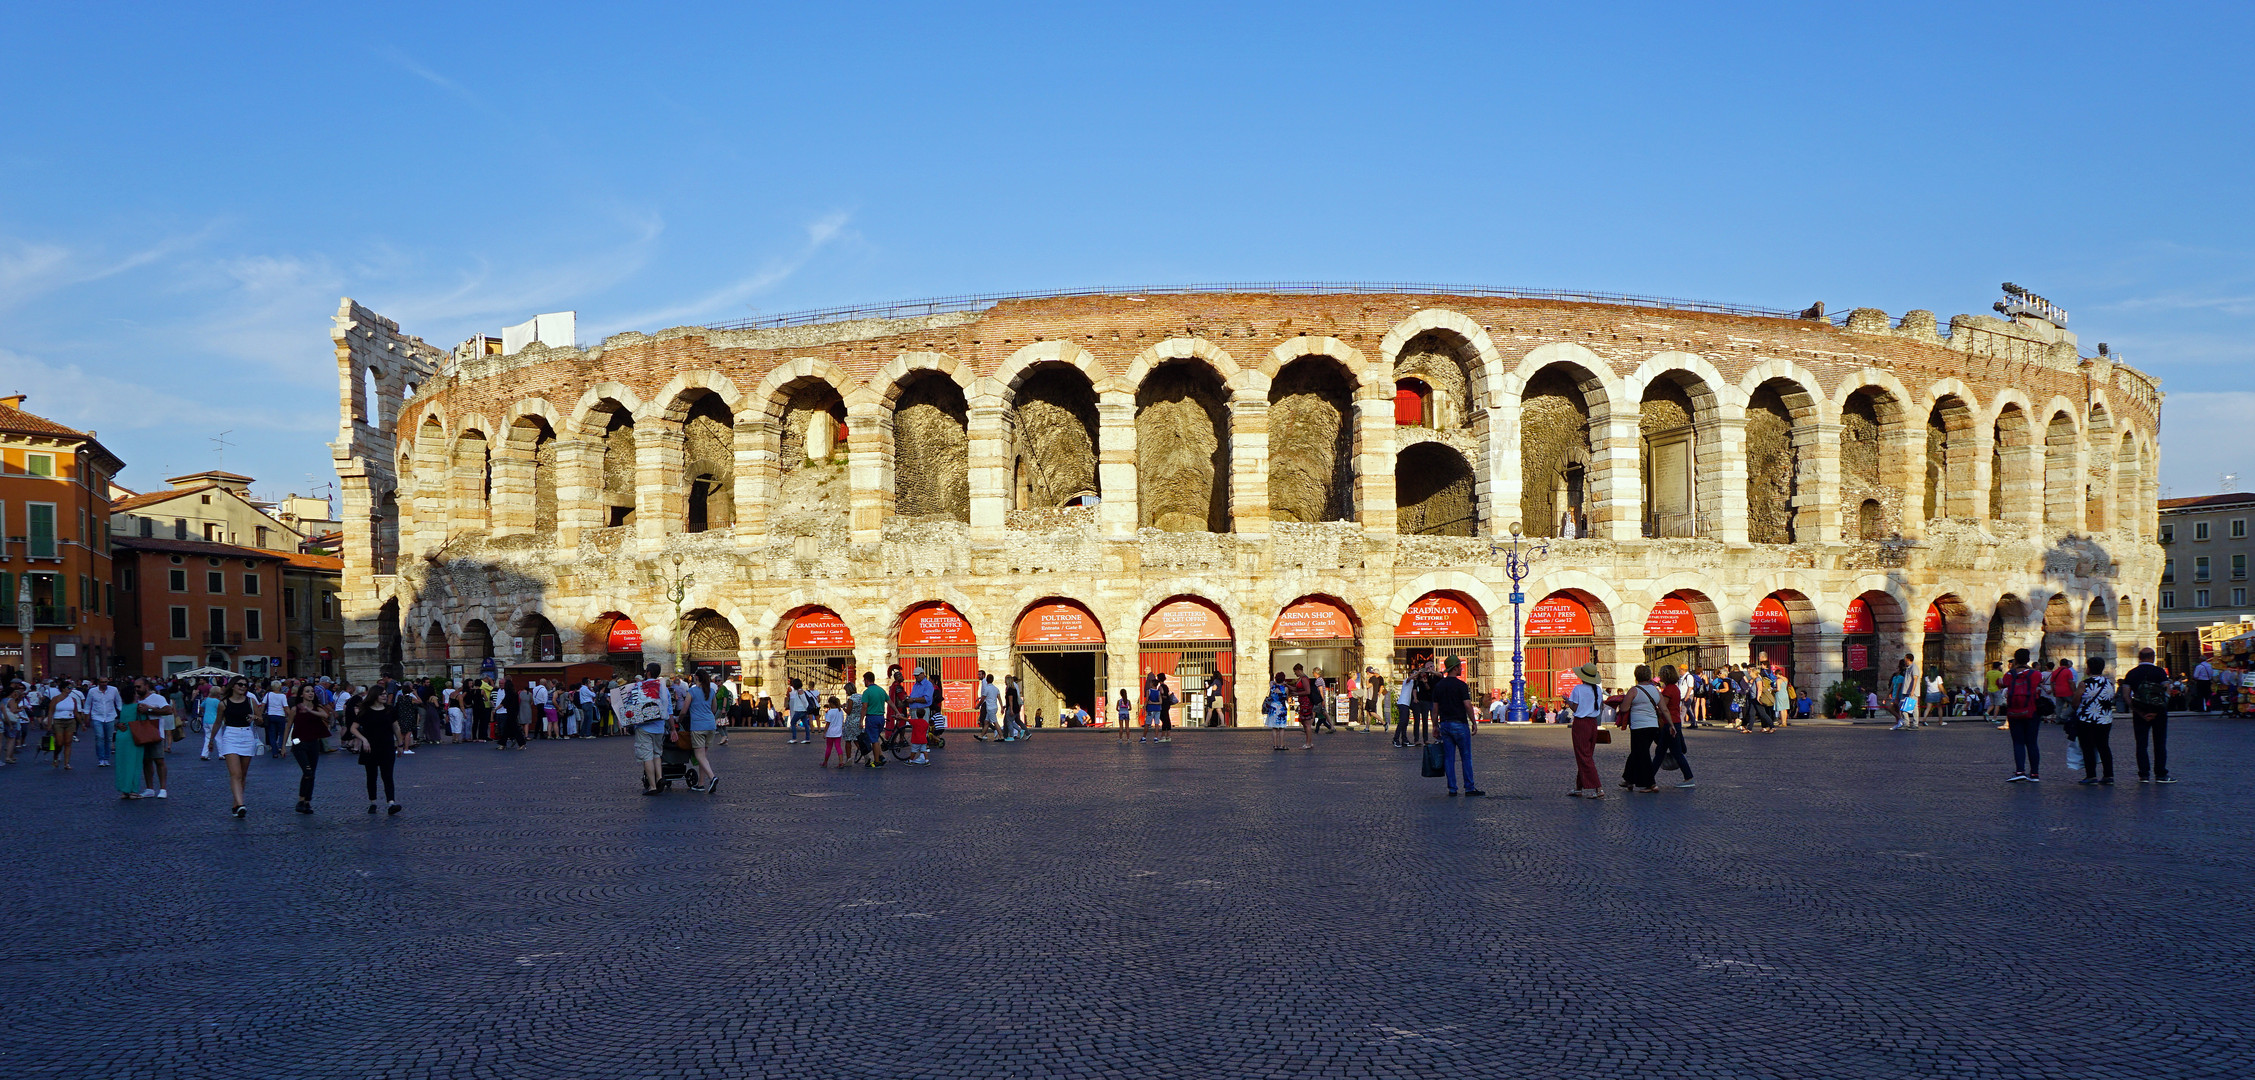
x: 592, y: 415
x: 1014, y: 369
x: 1561, y: 402
x: 1054, y: 433
x: 525, y: 470
x: 1949, y: 452
x: 930, y: 418
x: 1679, y: 408
x: 708, y: 459
x: 2014, y: 483
x: 1395, y: 606
x: 470, y: 469
x: 2008, y: 628
x: 1184, y: 462
x: 606, y: 425
x: 708, y: 636
x: 895, y: 374
x: 1311, y: 438
x: 1606, y: 612
x: 1177, y: 349
x: 1435, y: 491
x: 541, y: 641
x: 1350, y: 360
x: 1465, y: 339
x: 672, y: 404
x: 2129, y: 472
x: 1783, y: 414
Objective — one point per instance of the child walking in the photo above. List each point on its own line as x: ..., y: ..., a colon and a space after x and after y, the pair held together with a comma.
x: 834, y: 733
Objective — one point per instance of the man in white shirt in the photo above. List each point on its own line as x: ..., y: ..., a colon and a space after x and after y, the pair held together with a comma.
x: 2203, y: 684
x: 103, y: 705
x: 154, y: 707
x: 586, y: 709
x: 65, y: 707
x: 277, y: 705
x: 990, y: 710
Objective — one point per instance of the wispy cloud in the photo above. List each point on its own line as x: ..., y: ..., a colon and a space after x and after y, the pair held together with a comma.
x: 479, y: 293
x: 30, y: 268
x: 408, y: 64
x: 820, y: 234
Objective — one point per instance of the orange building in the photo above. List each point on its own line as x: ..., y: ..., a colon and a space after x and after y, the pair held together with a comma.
x: 54, y: 533
x: 189, y: 604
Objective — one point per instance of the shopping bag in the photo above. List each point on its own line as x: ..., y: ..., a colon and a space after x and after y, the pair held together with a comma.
x: 2074, y: 754
x: 1436, y: 760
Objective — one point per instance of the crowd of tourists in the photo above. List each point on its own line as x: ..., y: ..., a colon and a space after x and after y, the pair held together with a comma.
x: 135, y: 726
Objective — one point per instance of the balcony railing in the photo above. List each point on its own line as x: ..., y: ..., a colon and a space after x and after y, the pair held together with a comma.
x: 221, y: 639
x: 54, y: 616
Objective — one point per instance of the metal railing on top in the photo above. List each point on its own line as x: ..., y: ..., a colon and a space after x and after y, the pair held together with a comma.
x: 981, y: 301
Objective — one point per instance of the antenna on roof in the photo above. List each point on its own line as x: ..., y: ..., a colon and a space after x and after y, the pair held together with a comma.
x: 2225, y: 482
x: 220, y: 445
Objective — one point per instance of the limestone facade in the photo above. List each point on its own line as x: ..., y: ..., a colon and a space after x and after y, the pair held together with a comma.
x: 1251, y: 451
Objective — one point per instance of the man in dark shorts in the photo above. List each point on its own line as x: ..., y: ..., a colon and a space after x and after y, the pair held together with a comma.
x: 1453, y: 724
x: 2147, y: 688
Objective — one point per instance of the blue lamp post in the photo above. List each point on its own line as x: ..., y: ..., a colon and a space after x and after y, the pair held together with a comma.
x: 1516, y: 563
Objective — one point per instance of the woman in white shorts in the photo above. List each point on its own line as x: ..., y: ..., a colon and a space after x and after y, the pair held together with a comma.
x: 236, y: 737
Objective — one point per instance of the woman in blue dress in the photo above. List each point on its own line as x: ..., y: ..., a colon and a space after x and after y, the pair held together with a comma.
x: 1273, y: 708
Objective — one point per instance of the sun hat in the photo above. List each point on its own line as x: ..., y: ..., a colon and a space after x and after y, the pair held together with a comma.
x: 1588, y: 672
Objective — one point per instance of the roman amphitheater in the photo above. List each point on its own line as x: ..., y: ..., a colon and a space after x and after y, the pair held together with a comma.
x: 1220, y: 482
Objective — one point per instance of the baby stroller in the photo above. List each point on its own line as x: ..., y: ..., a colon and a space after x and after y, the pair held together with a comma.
x: 675, y: 763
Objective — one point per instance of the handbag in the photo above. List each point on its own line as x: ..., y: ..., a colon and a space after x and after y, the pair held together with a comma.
x: 1604, y: 735
x: 1436, y: 760
x: 145, y: 733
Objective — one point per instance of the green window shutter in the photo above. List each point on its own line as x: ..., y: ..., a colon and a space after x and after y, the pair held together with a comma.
x: 8, y: 588
x: 41, y: 519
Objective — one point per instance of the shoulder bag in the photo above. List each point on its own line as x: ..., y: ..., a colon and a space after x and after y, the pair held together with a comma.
x: 1436, y: 759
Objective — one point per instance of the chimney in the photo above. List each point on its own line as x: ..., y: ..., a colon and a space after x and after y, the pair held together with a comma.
x: 13, y: 401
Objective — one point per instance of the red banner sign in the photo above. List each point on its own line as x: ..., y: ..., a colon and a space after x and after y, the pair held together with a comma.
x: 1313, y: 617
x: 1184, y: 620
x: 1438, y: 615
x: 819, y: 629
x: 1859, y: 658
x: 1859, y: 620
x: 1933, y: 619
x: 1671, y: 617
x: 625, y: 637
x: 935, y: 623
x: 1058, y: 622
x: 1770, y: 619
x: 1558, y: 616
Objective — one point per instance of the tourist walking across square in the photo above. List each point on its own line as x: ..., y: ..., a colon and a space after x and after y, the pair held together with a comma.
x: 103, y: 707
x: 1586, y: 700
x: 2094, y: 723
x: 2023, y: 701
x: 2148, y: 689
x: 1642, y: 713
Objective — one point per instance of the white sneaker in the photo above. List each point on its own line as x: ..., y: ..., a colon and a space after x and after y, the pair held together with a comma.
x: 148, y: 793
x: 162, y: 794
x: 409, y: 753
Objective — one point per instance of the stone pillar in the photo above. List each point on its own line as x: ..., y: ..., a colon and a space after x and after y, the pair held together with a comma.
x: 758, y: 476
x: 1906, y: 446
x: 2023, y: 486
x: 512, y: 510
x: 1248, y: 463
x: 1374, y: 466
x: 869, y: 468
x: 425, y: 518
x: 1710, y: 476
x: 1115, y: 464
x: 989, y: 435
x: 1502, y: 468
x: 1826, y: 667
x: 1729, y: 474
x: 661, y: 500
x: 579, y: 484
x: 1816, y: 505
x: 1616, y: 479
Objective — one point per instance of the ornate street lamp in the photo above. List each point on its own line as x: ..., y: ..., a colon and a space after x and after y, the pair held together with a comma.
x: 1517, y: 562
x: 676, y: 589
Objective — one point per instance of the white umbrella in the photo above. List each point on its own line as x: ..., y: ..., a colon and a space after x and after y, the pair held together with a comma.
x: 205, y: 673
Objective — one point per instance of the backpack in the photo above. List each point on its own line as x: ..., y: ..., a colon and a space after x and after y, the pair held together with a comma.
x: 2022, y: 691
x: 2150, y: 694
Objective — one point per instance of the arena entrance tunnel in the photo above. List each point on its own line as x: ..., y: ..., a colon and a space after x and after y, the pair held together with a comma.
x: 1058, y: 655
x: 817, y: 651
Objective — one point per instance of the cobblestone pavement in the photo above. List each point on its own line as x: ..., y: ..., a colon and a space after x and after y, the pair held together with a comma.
x: 1830, y: 901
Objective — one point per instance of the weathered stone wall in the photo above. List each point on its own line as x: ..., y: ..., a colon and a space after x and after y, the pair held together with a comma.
x: 709, y: 462
x: 806, y: 404
x: 1311, y: 443
x: 1056, y: 438
x: 1434, y: 358
x: 1772, y: 469
x: 932, y: 451
x: 1860, y: 476
x: 1186, y: 412
x: 1182, y: 450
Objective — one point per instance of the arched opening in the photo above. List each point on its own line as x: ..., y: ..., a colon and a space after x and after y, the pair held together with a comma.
x: 931, y: 449
x: 476, y: 648
x: 2098, y: 637
x: 1782, y: 635
x: 2005, y: 622
x: 817, y: 649
x: 390, y: 655
x: 1774, y: 437
x: 472, y: 470
x: 1189, y: 640
x: 708, y: 463
x: 1053, y: 433
x: 1949, y: 459
x: 1942, y: 649
x: 1864, y: 420
x: 2129, y: 475
x: 1445, y: 370
x: 371, y: 411
x: 383, y: 530
x: 1667, y: 447
x: 533, y: 638
x: 1554, y: 453
x: 1440, y: 625
x: 1562, y: 633
x: 1434, y: 492
x: 1681, y: 630
x: 1316, y: 637
x: 1871, y: 521
x: 1182, y: 449
x: 2012, y: 490
x: 1413, y: 403
x: 937, y: 638
x: 1311, y: 447
x: 810, y: 441
x: 618, y: 641
x: 2063, y: 489
x: 1058, y: 655
x: 529, y: 475
x: 2063, y: 636
x: 2098, y: 472
x: 710, y: 641
x: 1871, y: 628
x: 438, y: 652
x: 614, y: 428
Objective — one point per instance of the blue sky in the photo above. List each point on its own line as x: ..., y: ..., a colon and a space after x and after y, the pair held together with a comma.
x: 186, y: 190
